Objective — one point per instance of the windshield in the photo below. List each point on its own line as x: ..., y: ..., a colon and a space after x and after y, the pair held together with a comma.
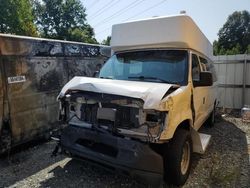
x: 167, y: 66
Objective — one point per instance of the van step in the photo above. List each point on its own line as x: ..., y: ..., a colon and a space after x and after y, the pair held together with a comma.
x: 205, y: 139
x: 200, y: 141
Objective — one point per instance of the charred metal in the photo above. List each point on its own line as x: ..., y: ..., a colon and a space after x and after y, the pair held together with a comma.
x: 32, y: 72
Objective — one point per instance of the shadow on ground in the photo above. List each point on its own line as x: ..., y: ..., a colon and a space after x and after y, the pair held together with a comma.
x: 25, y: 161
x: 226, y: 161
x: 82, y: 174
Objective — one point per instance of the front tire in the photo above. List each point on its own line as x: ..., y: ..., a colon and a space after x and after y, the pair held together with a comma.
x: 178, y: 158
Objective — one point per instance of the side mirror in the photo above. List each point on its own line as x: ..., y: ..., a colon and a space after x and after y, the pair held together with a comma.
x: 96, y: 74
x: 206, y: 79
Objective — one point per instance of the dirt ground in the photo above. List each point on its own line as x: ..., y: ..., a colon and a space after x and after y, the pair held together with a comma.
x: 225, y: 164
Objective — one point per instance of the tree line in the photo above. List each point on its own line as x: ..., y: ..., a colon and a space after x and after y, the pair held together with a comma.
x: 55, y: 19
x: 66, y: 20
x: 234, y: 36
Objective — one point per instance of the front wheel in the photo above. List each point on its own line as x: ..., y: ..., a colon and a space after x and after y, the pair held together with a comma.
x: 178, y: 158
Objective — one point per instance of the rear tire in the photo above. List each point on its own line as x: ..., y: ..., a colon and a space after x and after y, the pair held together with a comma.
x: 178, y: 158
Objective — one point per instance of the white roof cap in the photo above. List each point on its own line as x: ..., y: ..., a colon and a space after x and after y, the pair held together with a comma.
x: 177, y: 31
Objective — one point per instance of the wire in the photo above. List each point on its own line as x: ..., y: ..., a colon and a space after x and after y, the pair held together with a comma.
x: 145, y: 10
x: 103, y: 30
x: 119, y: 12
x: 92, y: 5
x: 103, y: 9
x: 155, y: 5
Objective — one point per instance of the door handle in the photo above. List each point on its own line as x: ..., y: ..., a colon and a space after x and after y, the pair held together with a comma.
x: 204, y: 100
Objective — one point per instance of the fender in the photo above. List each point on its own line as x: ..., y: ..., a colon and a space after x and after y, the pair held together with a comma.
x: 179, y: 110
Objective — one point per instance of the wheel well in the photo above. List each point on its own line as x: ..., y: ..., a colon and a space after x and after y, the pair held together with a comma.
x: 184, y: 125
x: 161, y: 148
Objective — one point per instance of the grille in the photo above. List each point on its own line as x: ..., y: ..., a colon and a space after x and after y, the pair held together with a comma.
x: 126, y: 117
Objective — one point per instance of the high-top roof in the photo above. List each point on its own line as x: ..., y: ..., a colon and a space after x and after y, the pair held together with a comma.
x: 178, y: 31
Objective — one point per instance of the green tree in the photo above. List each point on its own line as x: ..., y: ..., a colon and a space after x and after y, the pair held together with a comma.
x: 234, y: 36
x: 107, y: 41
x: 63, y: 19
x: 17, y: 18
x: 248, y: 49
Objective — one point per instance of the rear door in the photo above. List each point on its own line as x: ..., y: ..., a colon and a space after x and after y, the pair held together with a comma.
x: 33, y: 85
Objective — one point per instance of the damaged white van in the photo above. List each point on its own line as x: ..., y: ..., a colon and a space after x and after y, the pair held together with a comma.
x: 143, y: 112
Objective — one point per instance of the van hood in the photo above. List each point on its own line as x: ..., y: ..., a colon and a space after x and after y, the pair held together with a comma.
x: 151, y: 93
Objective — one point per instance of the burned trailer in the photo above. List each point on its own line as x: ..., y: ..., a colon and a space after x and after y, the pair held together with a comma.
x: 32, y: 72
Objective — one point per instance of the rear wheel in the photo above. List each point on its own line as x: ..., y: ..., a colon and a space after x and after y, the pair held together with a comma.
x: 178, y: 158
x: 211, y: 119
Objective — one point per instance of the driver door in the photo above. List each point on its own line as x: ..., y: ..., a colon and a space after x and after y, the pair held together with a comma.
x: 199, y: 94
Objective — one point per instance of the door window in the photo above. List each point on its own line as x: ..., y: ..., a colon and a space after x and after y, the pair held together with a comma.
x: 195, y: 68
x: 209, y: 67
x: 204, y: 64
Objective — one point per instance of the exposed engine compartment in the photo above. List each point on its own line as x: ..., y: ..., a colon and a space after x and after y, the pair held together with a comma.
x: 119, y: 115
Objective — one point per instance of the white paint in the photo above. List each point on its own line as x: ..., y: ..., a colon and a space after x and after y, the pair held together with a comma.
x: 178, y: 31
x: 151, y: 93
x: 16, y: 79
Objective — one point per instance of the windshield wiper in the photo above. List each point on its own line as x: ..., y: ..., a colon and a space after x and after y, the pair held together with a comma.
x: 151, y: 78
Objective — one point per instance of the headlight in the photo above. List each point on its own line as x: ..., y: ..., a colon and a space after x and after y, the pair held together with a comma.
x: 155, y: 122
x: 152, y: 117
x: 155, y: 116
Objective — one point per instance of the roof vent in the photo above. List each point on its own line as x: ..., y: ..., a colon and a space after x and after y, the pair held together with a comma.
x: 182, y: 12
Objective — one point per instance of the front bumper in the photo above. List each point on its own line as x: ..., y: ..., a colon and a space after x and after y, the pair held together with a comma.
x: 128, y: 156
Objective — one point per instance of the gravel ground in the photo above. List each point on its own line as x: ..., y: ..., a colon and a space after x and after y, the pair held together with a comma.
x: 225, y: 164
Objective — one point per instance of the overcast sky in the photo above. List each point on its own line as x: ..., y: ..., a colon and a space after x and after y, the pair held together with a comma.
x: 210, y: 15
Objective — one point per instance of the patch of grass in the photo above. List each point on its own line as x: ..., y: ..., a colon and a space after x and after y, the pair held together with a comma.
x: 222, y: 177
x: 223, y: 173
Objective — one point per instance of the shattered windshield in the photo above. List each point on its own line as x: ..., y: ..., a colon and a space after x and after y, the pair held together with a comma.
x: 163, y: 66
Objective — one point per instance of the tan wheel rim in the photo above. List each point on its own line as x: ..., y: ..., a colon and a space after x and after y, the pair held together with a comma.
x: 185, y: 158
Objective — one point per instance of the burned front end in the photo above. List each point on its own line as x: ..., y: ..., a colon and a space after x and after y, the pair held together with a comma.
x: 114, y: 131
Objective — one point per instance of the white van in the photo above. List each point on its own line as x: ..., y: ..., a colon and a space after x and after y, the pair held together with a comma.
x: 143, y: 113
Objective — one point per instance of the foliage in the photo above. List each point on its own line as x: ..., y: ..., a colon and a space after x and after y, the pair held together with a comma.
x: 17, y: 18
x: 63, y: 19
x: 107, y: 41
x: 234, y: 36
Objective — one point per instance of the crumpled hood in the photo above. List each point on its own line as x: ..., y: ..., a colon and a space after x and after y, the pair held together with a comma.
x: 151, y: 93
